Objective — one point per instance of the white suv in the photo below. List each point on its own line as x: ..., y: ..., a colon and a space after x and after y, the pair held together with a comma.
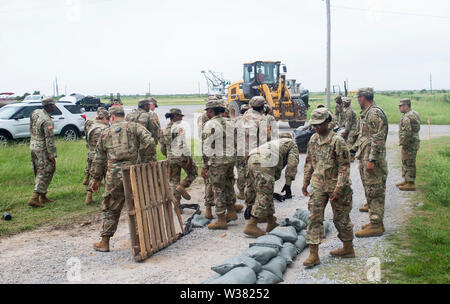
x: 68, y: 119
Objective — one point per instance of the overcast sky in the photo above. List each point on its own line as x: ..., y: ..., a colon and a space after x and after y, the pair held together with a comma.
x: 104, y: 46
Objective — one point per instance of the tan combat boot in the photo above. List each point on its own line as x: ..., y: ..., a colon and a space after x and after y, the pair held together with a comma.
x: 271, y: 223
x: 89, y: 199
x: 34, y: 201
x: 313, y: 258
x: 238, y: 207
x: 346, y: 252
x: 231, y: 213
x: 86, y: 180
x: 180, y: 189
x: 371, y: 230
x: 400, y: 183
x: 364, y: 226
x: 208, y: 213
x: 221, y: 223
x: 408, y: 186
x: 364, y: 208
x: 103, y: 245
x: 44, y: 199
x: 241, y: 195
x: 251, y: 229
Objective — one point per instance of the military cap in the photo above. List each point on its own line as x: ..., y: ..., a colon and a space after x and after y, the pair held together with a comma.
x: 154, y: 101
x: 116, y: 110
x: 367, y: 92
x: 102, y: 112
x: 175, y: 111
x: 257, y: 101
x: 347, y: 100
x: 338, y: 98
x: 214, y: 104
x: 286, y: 135
x: 245, y: 107
x: 48, y: 101
x: 211, y: 98
x: 143, y: 102
x: 405, y: 101
x: 318, y: 116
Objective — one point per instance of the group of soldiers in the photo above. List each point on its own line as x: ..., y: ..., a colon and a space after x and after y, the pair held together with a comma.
x: 249, y: 142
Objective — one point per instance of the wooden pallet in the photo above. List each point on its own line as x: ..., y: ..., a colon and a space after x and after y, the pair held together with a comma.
x: 150, y: 202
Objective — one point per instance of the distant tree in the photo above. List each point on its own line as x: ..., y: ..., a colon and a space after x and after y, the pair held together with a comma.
x: 20, y: 98
x: 37, y: 93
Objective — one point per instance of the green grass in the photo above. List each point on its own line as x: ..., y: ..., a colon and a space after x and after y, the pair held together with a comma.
x: 436, y: 106
x: 163, y: 100
x: 17, y: 183
x: 422, y: 251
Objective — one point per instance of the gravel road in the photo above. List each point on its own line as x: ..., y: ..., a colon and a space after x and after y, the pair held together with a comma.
x: 45, y: 255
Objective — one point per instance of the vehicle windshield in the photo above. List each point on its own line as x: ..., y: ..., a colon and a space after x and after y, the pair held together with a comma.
x: 6, y: 112
x: 267, y: 72
x: 33, y: 97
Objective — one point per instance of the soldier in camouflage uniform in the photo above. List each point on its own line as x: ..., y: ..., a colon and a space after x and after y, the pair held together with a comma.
x: 333, y: 123
x: 175, y: 148
x: 93, y: 133
x: 349, y: 122
x: 150, y: 121
x: 241, y: 162
x: 408, y: 132
x: 370, y: 149
x: 118, y: 147
x: 338, y: 111
x: 327, y: 170
x: 272, y: 122
x: 265, y: 164
x: 218, y: 162
x: 43, y: 152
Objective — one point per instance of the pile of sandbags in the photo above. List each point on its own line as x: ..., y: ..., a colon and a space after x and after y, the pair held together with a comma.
x: 268, y: 256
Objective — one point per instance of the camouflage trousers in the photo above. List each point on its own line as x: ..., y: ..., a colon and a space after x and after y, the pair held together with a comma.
x: 375, y: 188
x: 113, y: 201
x: 209, y: 194
x: 259, y: 192
x: 175, y: 166
x: 341, y: 215
x: 43, y: 170
x: 221, y: 178
x: 409, y: 163
x: 241, y: 166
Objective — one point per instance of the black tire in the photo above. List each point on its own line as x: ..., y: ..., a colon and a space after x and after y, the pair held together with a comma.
x: 295, y: 124
x: 70, y: 133
x: 235, y: 108
x: 4, y: 138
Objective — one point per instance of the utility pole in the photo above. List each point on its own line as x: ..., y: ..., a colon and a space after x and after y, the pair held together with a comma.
x: 328, y: 52
x: 431, y: 84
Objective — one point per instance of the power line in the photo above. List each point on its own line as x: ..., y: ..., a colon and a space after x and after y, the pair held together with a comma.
x: 390, y: 12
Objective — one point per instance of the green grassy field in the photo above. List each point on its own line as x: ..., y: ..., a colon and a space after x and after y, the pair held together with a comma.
x: 17, y: 182
x: 422, y: 251
x: 166, y: 100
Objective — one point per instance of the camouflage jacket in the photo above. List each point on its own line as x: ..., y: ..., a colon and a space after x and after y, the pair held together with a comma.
x: 173, y: 141
x: 118, y: 147
x: 252, y: 130
x: 147, y: 119
x: 373, y: 131
x: 93, y: 133
x: 349, y: 122
x: 408, y: 131
x: 41, y: 133
x: 339, y: 113
x: 273, y: 126
x: 327, y: 164
x: 218, y: 142
x: 279, y: 153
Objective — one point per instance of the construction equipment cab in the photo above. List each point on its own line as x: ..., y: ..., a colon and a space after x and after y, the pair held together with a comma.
x: 264, y: 78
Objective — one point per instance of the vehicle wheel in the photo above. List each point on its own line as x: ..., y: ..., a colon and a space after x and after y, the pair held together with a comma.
x: 70, y: 133
x: 235, y: 108
x: 4, y: 138
x: 295, y: 124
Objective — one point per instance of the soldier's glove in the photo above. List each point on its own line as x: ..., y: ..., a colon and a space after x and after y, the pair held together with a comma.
x: 288, y: 194
x: 278, y: 197
x: 247, y: 213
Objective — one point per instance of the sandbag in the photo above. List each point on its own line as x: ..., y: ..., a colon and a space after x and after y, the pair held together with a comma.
x: 238, y: 261
x: 287, y: 233
x: 262, y: 254
x: 276, y: 265
x: 238, y: 275
x: 302, y: 232
x: 294, y: 222
x: 268, y: 240
x: 211, y: 279
x: 302, y: 215
x: 199, y: 221
x: 289, y: 252
x: 267, y: 277
x: 301, y: 243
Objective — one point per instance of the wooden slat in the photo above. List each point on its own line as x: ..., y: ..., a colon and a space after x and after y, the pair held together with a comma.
x: 164, y: 203
x: 131, y: 212
x: 175, y: 206
x: 143, y: 211
x: 167, y: 200
x: 152, y: 235
x: 159, y: 205
x: 154, y: 210
x: 140, y: 224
